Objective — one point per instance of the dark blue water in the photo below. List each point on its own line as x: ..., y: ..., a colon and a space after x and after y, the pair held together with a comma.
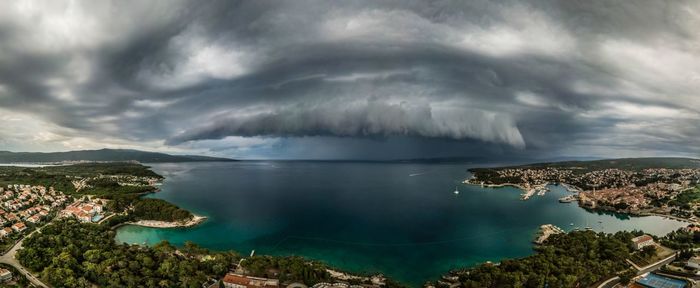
x: 399, y: 219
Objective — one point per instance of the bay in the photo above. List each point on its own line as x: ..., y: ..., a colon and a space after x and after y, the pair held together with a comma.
x: 400, y: 219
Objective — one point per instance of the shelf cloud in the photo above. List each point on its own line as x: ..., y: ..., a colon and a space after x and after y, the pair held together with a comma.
x: 369, y: 119
x: 388, y: 79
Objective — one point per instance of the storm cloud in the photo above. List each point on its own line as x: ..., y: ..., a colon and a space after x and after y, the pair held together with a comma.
x: 243, y: 78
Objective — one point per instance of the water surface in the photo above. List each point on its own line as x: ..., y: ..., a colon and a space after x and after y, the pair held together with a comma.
x: 399, y: 219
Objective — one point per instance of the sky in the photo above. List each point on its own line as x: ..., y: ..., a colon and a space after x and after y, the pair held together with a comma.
x: 352, y: 79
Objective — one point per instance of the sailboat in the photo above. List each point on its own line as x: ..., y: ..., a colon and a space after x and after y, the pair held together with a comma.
x: 456, y: 190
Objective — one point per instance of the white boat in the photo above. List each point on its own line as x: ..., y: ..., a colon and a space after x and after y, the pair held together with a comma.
x: 456, y: 190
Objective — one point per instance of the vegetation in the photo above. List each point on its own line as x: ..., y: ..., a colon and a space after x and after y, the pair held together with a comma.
x: 72, y: 254
x: 145, y: 209
x: 680, y: 239
x: 576, y: 259
x: 61, y: 177
x: 160, y: 210
x: 106, y: 186
x: 685, y: 198
x: 648, y: 255
x: 296, y: 268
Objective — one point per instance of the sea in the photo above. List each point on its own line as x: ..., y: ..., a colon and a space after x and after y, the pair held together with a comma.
x: 403, y: 220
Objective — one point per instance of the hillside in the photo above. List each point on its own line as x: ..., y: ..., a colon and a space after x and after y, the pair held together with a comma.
x: 103, y: 155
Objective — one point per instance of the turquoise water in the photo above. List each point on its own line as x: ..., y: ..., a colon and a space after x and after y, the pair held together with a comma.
x: 399, y: 219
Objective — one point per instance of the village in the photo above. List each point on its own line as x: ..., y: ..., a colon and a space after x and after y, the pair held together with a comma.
x: 23, y: 208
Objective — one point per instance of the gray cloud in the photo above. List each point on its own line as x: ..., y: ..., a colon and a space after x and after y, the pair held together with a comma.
x: 371, y: 118
x: 539, y: 77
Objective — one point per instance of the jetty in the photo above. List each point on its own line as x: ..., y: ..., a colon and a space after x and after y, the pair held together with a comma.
x: 547, y: 230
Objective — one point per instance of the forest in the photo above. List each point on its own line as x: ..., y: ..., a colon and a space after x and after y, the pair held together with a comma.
x: 71, y: 254
x: 576, y: 259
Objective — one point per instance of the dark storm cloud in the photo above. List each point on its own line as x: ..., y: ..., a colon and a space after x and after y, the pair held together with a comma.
x: 557, y: 77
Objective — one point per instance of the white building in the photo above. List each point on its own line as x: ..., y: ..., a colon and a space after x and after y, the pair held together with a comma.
x: 642, y: 241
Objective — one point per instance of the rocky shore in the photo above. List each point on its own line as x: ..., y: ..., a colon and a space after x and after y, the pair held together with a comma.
x: 194, y: 221
x: 546, y: 231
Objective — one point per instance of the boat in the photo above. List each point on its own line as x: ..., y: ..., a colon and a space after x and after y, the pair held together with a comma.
x: 572, y: 224
x: 456, y: 190
x: 567, y: 199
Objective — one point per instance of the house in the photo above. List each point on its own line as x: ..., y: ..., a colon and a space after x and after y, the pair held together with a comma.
x: 34, y: 219
x: 233, y: 280
x: 5, y: 275
x: 19, y: 227
x: 693, y: 262
x: 84, y: 217
x: 11, y: 217
x: 692, y: 228
x: 5, y: 231
x: 642, y: 241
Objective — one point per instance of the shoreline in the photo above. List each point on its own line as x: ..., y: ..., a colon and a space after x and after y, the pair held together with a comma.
x: 377, y: 279
x: 196, y: 220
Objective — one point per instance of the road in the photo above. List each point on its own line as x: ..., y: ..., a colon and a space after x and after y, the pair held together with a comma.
x: 105, y: 219
x: 612, y: 281
x: 9, y: 258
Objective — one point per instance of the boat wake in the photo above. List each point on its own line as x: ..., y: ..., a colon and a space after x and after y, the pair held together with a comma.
x: 417, y: 174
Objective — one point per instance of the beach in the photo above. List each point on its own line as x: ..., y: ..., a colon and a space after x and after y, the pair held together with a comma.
x: 196, y: 220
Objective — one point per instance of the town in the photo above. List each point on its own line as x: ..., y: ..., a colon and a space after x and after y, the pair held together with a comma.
x: 644, y: 191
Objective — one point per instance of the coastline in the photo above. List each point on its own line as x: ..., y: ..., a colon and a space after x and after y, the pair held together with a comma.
x: 527, y: 191
x: 196, y: 220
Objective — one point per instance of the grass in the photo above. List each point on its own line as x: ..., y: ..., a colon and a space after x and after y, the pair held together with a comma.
x: 642, y: 261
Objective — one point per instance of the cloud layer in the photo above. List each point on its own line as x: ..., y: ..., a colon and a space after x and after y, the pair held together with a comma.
x: 243, y: 78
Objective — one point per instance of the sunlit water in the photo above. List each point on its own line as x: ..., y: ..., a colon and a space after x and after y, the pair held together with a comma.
x: 399, y: 219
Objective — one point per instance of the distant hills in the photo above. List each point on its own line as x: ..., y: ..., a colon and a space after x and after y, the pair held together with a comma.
x: 622, y: 163
x: 102, y: 155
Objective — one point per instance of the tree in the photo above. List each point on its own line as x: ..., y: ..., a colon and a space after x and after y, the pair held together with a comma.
x: 627, y: 276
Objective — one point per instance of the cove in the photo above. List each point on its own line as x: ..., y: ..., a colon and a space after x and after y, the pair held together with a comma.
x: 400, y: 219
